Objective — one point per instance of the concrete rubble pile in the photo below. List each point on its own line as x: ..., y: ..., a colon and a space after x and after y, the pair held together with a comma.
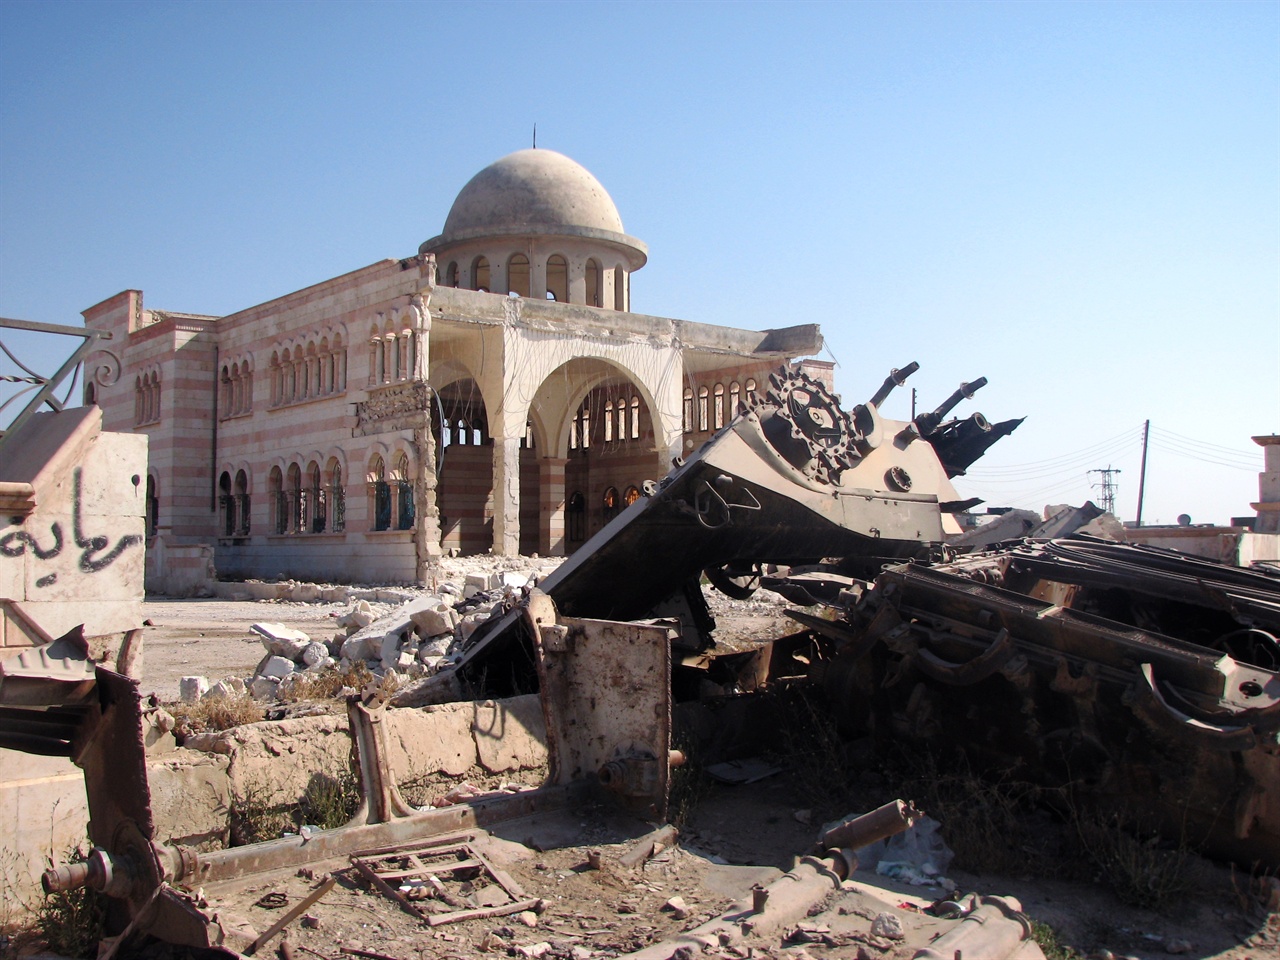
x: 410, y: 641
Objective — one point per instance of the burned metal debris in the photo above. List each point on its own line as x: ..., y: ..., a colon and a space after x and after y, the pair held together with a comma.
x: 1142, y: 680
x: 792, y: 480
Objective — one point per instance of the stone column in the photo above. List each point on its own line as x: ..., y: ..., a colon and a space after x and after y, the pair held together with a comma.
x: 551, y: 506
x: 577, y: 280
x: 506, y: 496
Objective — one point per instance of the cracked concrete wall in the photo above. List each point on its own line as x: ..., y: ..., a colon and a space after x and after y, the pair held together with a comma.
x: 280, y: 757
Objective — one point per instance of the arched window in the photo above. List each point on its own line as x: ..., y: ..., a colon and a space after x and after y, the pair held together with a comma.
x: 635, y: 418
x: 337, y: 497
x: 703, y: 411
x: 404, y: 494
x: 380, y: 493
x: 518, y: 275
x: 557, y: 278
x: 593, y: 283
x: 480, y: 274
x: 622, y: 419
x: 152, y: 506
x: 296, y: 506
x: 451, y: 274
x: 608, y: 421
x: 279, y: 502
x: 241, y: 497
x: 750, y: 386
x: 224, y: 382
x: 631, y: 496
x: 735, y: 400
x: 611, y: 504
x: 275, y: 378
x: 226, y: 505
x: 718, y: 409
x: 478, y: 431
x: 686, y: 412
x: 317, y: 508
x: 577, y: 518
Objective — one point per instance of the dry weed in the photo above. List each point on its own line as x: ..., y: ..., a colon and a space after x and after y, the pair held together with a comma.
x: 329, y: 684
x: 215, y: 713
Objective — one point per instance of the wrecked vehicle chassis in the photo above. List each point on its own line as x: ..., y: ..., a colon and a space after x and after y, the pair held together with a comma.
x: 1138, y: 680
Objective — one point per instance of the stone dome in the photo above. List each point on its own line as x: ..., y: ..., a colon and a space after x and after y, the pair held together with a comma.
x: 535, y: 193
x: 532, y: 188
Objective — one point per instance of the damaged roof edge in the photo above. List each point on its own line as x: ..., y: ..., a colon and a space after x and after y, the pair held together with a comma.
x: 801, y: 340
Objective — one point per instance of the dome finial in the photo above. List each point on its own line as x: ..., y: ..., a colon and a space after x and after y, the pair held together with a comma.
x: 535, y: 136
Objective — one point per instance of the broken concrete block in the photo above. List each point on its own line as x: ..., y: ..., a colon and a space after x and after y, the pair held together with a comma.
x: 389, y: 649
x: 305, y: 592
x: 355, y: 648
x: 480, y: 583
x: 264, y: 688
x: 888, y: 926
x: 281, y: 640
x: 515, y: 580
x: 359, y: 616
x: 238, y: 686
x: 222, y: 688
x: 314, y: 653
x: 677, y: 908
x: 276, y: 668
x: 435, y: 621
x: 449, y: 589
x: 435, y: 647
x: 191, y: 689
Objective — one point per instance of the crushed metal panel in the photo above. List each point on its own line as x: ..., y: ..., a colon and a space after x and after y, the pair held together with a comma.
x: 1144, y: 681
x: 606, y: 695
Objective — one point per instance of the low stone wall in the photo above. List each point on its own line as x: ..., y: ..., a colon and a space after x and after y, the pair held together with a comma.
x: 279, y: 758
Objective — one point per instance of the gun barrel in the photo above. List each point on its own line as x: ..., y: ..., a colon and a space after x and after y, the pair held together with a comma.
x: 896, y: 378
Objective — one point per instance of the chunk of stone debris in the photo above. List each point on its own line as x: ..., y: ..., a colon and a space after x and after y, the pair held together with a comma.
x: 435, y: 647
x: 276, y: 668
x: 514, y: 579
x: 355, y: 648
x: 532, y: 950
x: 321, y: 665
x: 358, y: 617
x: 191, y: 689
x: 888, y: 926
x: 264, y: 688
x: 436, y: 620
x: 480, y: 583
x: 677, y: 908
x: 238, y: 686
x: 222, y: 688
x: 281, y: 640
x: 314, y: 653
x: 528, y: 918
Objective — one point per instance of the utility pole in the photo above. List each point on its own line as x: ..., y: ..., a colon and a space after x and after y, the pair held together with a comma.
x: 1108, y: 487
x: 1142, y: 474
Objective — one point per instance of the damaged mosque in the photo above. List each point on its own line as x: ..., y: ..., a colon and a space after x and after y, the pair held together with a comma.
x: 494, y: 392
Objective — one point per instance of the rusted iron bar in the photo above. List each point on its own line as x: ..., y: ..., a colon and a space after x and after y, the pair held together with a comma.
x: 648, y: 845
x: 303, y: 906
x: 480, y: 913
x: 892, y: 818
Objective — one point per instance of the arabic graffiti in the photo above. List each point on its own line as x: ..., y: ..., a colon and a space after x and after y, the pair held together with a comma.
x: 17, y: 542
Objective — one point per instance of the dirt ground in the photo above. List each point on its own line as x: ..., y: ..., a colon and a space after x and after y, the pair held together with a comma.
x: 734, y: 836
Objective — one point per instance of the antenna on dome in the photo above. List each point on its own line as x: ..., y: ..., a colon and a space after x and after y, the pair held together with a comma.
x: 535, y: 136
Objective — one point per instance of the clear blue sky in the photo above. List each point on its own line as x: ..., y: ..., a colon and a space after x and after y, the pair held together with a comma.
x: 1079, y: 201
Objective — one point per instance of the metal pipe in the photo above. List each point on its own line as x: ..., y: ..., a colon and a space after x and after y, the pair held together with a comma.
x: 886, y: 821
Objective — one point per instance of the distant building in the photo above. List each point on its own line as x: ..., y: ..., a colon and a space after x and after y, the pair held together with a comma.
x: 495, y: 391
x: 1246, y: 540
